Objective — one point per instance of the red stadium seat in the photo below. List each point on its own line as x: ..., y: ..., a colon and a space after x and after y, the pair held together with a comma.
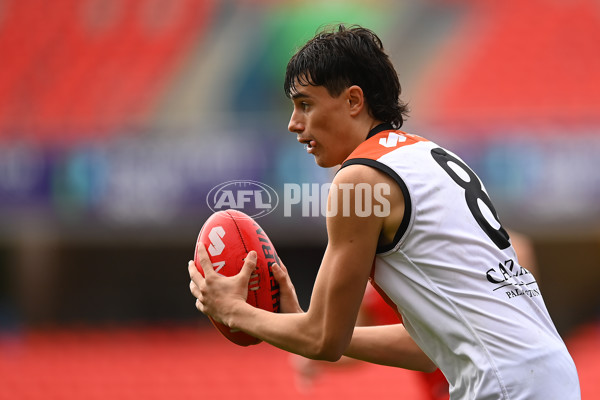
x: 530, y: 62
x: 78, y: 69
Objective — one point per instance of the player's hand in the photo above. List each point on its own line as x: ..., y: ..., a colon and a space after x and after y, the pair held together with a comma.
x: 218, y: 295
x: 288, y: 299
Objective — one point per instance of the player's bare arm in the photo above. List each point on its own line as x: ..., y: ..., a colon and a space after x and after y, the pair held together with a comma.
x: 325, y: 330
x: 388, y: 345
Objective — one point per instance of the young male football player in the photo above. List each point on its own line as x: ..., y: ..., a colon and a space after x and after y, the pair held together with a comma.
x: 438, y: 252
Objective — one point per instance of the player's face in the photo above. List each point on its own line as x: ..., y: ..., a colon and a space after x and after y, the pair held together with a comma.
x: 321, y: 122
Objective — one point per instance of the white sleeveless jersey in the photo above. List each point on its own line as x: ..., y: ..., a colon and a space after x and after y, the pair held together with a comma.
x: 454, y: 276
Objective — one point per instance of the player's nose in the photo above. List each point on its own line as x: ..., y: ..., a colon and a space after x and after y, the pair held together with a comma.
x: 296, y: 125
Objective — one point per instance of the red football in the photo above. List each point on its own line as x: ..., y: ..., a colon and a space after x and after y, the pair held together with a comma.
x: 228, y: 237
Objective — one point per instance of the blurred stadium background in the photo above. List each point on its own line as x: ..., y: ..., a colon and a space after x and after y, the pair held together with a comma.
x: 118, y: 116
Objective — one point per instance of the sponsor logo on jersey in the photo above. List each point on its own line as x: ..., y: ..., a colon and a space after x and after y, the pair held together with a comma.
x: 514, y: 279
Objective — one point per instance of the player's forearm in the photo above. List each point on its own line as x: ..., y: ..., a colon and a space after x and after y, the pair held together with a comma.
x: 294, y: 332
x: 388, y: 345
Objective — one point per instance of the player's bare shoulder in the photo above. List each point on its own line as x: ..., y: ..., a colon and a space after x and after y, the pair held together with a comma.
x: 365, y: 192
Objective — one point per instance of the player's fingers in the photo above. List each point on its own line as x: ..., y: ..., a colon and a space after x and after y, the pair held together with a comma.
x: 282, y: 277
x: 249, y: 264
x: 280, y: 265
x: 195, y: 275
x: 199, y: 305
x: 280, y: 273
x: 194, y: 289
x: 203, y: 259
x: 289, y: 299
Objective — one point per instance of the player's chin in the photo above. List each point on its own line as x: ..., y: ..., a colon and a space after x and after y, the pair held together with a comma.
x: 325, y: 162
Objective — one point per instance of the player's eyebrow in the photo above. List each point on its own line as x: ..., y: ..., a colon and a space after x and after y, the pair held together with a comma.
x: 299, y: 95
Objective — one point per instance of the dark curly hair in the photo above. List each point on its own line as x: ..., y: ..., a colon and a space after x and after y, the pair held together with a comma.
x: 339, y: 57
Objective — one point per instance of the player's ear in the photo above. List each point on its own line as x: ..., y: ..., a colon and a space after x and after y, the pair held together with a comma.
x: 356, y: 99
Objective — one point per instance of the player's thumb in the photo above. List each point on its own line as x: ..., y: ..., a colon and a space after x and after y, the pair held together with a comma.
x: 249, y: 264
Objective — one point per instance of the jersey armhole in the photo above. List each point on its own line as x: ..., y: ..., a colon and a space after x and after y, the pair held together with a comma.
x: 406, y: 218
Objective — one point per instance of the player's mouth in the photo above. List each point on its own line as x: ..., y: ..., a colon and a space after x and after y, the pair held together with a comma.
x: 309, y: 146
